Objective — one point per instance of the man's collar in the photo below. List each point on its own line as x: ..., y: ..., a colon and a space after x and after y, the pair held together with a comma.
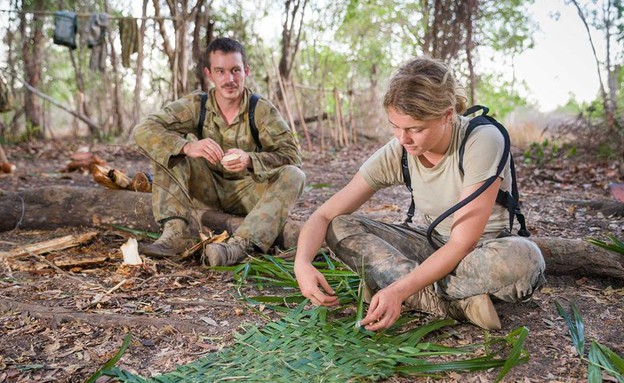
x: 213, y: 106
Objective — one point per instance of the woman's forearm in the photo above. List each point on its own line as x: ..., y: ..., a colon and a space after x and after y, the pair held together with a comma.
x: 311, y: 238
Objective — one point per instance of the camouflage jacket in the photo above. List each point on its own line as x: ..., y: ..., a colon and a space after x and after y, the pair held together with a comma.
x: 163, y: 134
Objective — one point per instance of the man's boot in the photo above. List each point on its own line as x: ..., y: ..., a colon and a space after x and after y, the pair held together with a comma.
x: 174, y: 240
x: 231, y: 252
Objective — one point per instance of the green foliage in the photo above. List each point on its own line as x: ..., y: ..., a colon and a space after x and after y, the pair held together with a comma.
x: 615, y: 244
x: 506, y: 25
x: 600, y: 358
x: 541, y: 153
x: 499, y: 95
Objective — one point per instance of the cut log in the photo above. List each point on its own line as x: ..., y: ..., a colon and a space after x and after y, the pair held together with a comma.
x: 50, y: 208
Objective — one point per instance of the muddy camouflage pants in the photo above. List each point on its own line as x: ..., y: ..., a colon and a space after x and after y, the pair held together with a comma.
x: 266, y: 205
x: 508, y: 268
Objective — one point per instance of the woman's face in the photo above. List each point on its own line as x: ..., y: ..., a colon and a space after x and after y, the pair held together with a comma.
x: 421, y: 136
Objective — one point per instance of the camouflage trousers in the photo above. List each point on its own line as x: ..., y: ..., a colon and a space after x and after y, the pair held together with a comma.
x: 508, y: 268
x: 265, y: 205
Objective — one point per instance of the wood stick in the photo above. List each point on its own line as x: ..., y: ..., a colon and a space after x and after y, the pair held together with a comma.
x: 92, y: 125
x: 301, y: 117
x: 284, y: 96
x: 321, y: 97
x: 3, y: 157
x: 55, y: 244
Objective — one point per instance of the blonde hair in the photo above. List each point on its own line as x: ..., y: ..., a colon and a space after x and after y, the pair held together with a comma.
x: 424, y: 89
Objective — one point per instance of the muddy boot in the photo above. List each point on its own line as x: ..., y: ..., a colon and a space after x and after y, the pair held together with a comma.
x: 174, y: 240
x: 478, y: 310
x: 231, y: 252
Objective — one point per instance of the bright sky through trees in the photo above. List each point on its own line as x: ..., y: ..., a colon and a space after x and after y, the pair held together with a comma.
x: 561, y: 63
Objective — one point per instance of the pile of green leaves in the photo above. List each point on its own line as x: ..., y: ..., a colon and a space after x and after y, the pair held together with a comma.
x: 322, y: 345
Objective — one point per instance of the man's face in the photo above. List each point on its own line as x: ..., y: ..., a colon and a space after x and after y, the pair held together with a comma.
x: 227, y: 72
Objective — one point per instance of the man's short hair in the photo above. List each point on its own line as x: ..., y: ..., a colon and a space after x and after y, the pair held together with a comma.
x: 225, y: 45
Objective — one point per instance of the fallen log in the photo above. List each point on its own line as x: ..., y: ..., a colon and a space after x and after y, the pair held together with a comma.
x: 608, y: 208
x: 52, y: 207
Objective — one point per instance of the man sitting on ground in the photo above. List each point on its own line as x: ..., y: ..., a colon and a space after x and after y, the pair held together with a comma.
x: 225, y: 167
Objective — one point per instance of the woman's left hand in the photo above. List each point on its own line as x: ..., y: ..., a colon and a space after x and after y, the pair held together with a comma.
x: 384, y: 310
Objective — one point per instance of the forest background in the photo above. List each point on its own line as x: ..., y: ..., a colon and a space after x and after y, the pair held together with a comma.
x: 324, y: 63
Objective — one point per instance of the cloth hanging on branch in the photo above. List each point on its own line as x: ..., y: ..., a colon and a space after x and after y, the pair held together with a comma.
x: 96, y: 40
x: 129, y: 36
x: 65, y: 27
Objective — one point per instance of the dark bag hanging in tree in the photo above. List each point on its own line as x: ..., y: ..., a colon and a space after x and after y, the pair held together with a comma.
x: 253, y: 101
x: 511, y: 201
x: 65, y: 27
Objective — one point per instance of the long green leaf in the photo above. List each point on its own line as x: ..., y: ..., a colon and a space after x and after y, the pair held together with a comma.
x: 513, y: 359
x: 142, y: 233
x: 112, y: 361
x: 594, y: 373
x: 576, y: 333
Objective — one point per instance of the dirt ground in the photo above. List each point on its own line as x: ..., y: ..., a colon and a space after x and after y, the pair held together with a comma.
x: 62, y: 324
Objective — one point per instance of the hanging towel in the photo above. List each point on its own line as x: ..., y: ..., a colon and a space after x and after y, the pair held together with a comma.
x: 96, y: 40
x: 129, y: 35
x: 65, y: 27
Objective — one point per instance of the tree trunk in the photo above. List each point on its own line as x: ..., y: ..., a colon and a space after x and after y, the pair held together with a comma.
x: 32, y: 51
x: 51, y: 207
x: 136, y: 113
x: 202, y: 20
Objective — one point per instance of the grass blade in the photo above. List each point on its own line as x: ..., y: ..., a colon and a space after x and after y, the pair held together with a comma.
x: 112, y: 361
x: 513, y: 359
x: 576, y: 334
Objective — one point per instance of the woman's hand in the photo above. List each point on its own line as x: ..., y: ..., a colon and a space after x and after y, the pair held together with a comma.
x: 384, y: 309
x: 309, y: 280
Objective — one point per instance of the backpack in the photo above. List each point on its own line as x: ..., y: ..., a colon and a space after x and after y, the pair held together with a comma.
x: 65, y: 27
x: 253, y: 101
x: 511, y: 201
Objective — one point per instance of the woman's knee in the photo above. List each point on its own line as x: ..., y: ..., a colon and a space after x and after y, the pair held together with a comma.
x: 341, y: 227
x: 523, y: 272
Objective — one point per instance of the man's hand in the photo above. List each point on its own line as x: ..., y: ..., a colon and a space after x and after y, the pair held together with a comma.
x: 205, y: 148
x: 309, y: 280
x: 236, y: 160
x: 384, y: 310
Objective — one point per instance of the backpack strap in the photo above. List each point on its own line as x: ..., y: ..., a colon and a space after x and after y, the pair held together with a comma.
x: 202, y: 115
x: 253, y: 101
x: 408, y: 183
x: 506, y: 199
